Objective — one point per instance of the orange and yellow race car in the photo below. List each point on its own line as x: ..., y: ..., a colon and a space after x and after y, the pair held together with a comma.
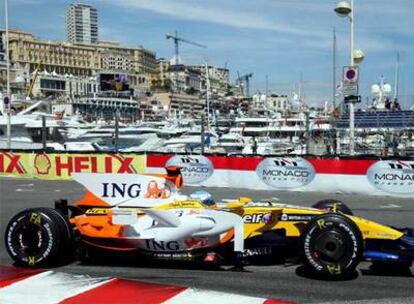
x: 147, y: 215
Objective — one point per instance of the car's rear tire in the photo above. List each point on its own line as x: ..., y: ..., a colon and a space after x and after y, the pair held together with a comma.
x: 332, y: 204
x: 38, y: 237
x: 332, y: 245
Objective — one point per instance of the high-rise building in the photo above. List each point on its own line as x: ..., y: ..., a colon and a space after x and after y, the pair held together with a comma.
x: 82, y: 24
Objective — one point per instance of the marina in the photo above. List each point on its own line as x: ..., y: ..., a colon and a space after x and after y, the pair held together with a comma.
x: 126, y: 99
x: 378, y: 132
x: 206, y: 151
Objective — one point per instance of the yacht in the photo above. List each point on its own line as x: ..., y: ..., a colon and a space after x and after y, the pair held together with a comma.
x: 230, y: 143
x: 26, y: 132
x: 189, y: 141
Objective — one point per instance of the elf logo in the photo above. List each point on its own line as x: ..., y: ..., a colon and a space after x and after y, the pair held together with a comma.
x: 255, y: 218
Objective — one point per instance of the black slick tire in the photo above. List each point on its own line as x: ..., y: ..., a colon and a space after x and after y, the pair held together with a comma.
x: 38, y: 237
x: 332, y: 245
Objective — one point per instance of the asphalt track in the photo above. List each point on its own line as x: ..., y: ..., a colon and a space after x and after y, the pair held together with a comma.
x: 278, y: 282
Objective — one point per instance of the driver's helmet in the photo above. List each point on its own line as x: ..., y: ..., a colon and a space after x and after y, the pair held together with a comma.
x: 204, y: 197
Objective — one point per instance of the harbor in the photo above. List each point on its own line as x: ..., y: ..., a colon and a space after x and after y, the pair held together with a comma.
x: 100, y: 95
x: 206, y: 151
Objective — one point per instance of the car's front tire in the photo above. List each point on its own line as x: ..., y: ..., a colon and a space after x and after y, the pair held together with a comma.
x: 38, y: 237
x: 332, y: 245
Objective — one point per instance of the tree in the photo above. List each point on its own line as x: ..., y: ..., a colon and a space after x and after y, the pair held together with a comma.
x: 191, y: 91
x: 167, y: 84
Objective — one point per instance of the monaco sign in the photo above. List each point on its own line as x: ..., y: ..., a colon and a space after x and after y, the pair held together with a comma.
x: 285, y: 172
x: 392, y: 176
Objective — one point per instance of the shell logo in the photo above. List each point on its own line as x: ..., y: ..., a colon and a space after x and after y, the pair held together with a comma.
x: 42, y: 164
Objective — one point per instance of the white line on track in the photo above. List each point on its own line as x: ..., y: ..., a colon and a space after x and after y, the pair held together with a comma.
x: 198, y: 296
x: 389, y: 206
x: 24, y: 190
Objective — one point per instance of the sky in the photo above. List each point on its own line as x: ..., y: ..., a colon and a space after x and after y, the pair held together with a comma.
x: 290, y: 41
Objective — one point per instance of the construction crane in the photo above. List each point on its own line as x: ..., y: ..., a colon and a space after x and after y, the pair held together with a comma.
x: 246, y: 79
x: 33, y: 80
x: 177, y: 40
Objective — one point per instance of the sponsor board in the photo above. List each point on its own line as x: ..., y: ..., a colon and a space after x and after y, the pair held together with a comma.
x: 14, y: 164
x: 61, y: 166
x: 285, y: 172
x: 194, y: 168
x: 392, y: 176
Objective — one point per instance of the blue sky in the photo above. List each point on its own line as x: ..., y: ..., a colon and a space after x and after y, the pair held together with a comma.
x: 284, y: 39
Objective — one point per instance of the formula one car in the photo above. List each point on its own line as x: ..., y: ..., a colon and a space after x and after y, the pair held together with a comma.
x: 147, y: 214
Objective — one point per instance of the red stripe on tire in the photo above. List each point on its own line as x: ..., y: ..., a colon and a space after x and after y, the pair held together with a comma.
x: 122, y: 291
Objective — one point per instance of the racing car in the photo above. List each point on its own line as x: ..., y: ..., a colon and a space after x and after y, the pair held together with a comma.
x: 146, y: 214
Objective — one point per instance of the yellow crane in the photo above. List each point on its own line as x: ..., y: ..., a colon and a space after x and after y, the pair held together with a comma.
x: 33, y: 80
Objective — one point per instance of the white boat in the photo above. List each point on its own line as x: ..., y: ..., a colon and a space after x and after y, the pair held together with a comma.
x: 26, y: 132
x: 230, y: 143
x: 189, y: 141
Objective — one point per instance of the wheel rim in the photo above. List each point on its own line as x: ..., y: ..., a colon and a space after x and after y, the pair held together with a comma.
x: 330, y: 247
x: 30, y: 240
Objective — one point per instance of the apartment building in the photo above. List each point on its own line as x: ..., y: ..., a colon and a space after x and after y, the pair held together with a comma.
x: 28, y: 53
x: 82, y: 24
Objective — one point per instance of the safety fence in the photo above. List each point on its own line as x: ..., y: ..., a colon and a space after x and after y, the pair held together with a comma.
x: 371, y: 176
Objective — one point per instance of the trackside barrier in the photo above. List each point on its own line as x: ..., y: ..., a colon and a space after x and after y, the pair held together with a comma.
x: 51, y: 166
x: 371, y: 176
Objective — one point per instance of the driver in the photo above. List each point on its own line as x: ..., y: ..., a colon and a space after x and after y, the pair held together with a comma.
x: 204, y: 197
